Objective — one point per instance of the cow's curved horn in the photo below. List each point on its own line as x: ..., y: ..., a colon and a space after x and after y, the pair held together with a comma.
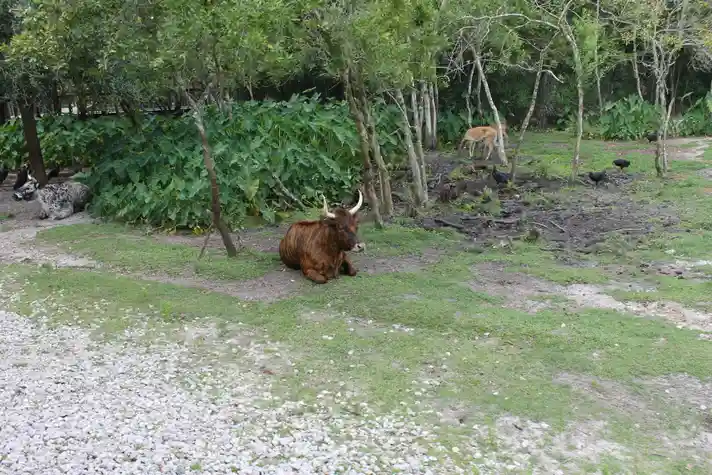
x: 355, y: 209
x: 326, y: 211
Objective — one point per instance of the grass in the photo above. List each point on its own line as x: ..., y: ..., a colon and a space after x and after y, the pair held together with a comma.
x: 482, y: 353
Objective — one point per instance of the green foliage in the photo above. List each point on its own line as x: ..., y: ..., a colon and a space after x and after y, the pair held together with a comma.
x: 698, y: 119
x: 12, y: 143
x: 156, y: 175
x: 628, y: 119
x: 63, y: 139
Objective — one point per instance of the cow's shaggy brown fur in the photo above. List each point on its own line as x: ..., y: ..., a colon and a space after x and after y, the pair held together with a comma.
x: 319, y: 248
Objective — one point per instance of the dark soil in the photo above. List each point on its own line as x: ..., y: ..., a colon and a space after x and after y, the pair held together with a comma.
x: 578, y: 220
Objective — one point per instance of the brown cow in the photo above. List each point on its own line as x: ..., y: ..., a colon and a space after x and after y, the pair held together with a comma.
x: 319, y: 248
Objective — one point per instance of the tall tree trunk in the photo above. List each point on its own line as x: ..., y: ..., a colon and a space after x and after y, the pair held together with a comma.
x: 427, y: 117
x: 434, y: 99
x: 420, y: 193
x: 468, y: 97
x: 82, y: 106
x: 596, y: 66
x: 578, y: 65
x: 364, y: 142
x: 384, y: 177
x: 218, y: 223
x: 56, y: 100
x: 32, y: 141
x: 417, y: 107
x: 636, y: 74
x: 500, y: 136
x: 420, y: 153
x: 478, y: 93
x: 527, y: 118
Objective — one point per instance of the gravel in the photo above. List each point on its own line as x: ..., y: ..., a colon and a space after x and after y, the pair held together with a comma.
x: 72, y: 405
x: 154, y: 400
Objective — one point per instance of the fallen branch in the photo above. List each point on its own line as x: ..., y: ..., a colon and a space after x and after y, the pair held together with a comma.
x: 448, y: 223
x: 554, y: 224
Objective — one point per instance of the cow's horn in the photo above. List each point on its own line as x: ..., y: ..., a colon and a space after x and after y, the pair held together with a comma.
x: 355, y: 209
x: 326, y: 211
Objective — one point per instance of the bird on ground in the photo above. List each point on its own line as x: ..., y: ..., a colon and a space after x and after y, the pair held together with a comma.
x: 500, y: 177
x: 652, y: 137
x: 597, y: 177
x: 4, y: 172
x: 621, y: 163
x: 53, y: 172
x: 21, y: 177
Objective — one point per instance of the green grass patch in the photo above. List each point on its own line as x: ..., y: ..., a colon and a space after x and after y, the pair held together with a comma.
x: 128, y: 250
x: 482, y: 353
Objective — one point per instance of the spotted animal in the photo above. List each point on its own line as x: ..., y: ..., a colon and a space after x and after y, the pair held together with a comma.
x: 58, y: 200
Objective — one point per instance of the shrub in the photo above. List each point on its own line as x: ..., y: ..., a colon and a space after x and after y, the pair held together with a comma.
x: 628, y: 119
x: 156, y: 175
x: 698, y: 118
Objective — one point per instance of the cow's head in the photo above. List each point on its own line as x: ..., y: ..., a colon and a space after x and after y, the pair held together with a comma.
x: 27, y: 191
x: 345, y: 223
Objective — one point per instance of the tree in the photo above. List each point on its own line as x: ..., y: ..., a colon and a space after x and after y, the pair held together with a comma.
x: 665, y: 29
x: 27, y: 79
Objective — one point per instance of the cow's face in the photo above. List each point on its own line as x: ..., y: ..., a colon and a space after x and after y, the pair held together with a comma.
x: 346, y: 227
x: 27, y: 191
x: 344, y: 222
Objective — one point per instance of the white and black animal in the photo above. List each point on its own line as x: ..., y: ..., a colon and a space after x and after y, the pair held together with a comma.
x: 58, y: 200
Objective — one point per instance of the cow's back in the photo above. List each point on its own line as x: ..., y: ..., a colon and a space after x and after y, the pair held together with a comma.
x: 292, y: 244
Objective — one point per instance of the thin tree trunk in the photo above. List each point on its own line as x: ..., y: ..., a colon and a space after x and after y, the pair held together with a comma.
x: 419, y: 192
x: 432, y: 117
x: 82, y: 111
x: 488, y: 94
x: 56, y: 101
x: 468, y: 97
x: 218, y: 223
x: 32, y: 141
x: 596, y: 66
x: 527, y: 118
x: 566, y: 30
x: 417, y: 107
x: 420, y: 153
x: 364, y: 142
x: 478, y: 93
x: 425, y: 97
x: 383, y: 176
x: 434, y: 93
x: 636, y: 74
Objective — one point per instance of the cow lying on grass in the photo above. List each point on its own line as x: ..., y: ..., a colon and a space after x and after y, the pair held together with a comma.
x: 58, y: 200
x: 319, y: 248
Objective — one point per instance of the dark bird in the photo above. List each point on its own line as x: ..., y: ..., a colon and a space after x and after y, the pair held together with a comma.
x: 53, y: 172
x: 499, y: 177
x: 652, y: 137
x: 597, y: 177
x: 4, y: 172
x: 621, y: 163
x: 21, y: 177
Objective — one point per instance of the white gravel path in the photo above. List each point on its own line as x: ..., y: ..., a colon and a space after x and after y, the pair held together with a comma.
x: 71, y: 405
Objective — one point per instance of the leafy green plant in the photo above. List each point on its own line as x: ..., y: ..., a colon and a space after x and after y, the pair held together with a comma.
x: 265, y: 153
x: 12, y: 143
x: 698, y: 119
x: 630, y: 118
